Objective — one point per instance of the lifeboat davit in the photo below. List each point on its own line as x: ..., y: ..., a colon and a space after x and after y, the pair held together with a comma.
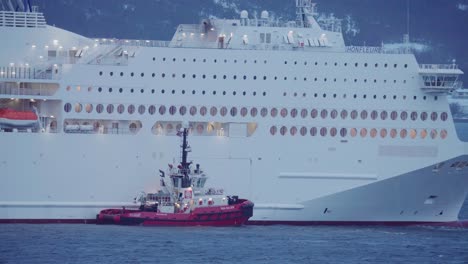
x: 10, y: 118
x: 183, y: 201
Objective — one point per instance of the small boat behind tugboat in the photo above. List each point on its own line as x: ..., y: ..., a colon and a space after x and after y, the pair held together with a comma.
x: 183, y: 201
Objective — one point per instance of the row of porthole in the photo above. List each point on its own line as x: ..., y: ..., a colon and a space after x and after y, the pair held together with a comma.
x: 363, y: 132
x: 274, y: 112
x: 244, y: 93
x: 305, y: 63
x: 245, y: 77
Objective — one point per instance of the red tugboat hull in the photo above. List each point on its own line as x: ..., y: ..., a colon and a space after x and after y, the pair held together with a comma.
x: 228, y: 215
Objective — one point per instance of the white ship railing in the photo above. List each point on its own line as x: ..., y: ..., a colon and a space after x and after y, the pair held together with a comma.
x: 22, y: 19
x: 438, y: 66
x: 28, y: 73
x: 214, y: 45
x: 6, y: 89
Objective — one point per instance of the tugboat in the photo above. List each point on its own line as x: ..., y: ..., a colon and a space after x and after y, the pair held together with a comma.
x: 183, y: 201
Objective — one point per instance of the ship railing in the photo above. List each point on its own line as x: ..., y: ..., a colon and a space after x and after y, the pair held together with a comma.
x: 438, y: 66
x: 6, y: 88
x: 214, y: 45
x: 134, y: 42
x: 29, y: 73
x: 22, y: 19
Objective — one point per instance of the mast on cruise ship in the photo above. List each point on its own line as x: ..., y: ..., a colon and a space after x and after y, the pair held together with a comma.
x: 305, y: 12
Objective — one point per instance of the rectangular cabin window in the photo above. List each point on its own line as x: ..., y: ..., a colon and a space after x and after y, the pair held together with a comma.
x: 262, y: 37
x: 268, y: 38
x: 52, y: 53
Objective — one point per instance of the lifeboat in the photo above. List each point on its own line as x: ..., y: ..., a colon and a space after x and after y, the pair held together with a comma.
x: 10, y: 118
x: 182, y: 201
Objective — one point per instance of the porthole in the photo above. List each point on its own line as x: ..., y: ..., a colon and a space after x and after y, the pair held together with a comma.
x: 434, y: 116
x: 353, y: 132
x: 78, y: 107
x: 131, y: 90
x: 414, y: 116
x: 213, y: 111
x: 274, y: 112
x: 443, y: 134
x: 324, y: 113
x: 293, y: 113
x: 99, y: 108
x: 253, y: 112
x: 193, y: 110
x: 444, y: 116
x: 133, y: 128
x: 374, y: 115
x: 264, y: 112
x: 273, y: 130
x: 182, y: 110
x: 363, y: 132
x: 373, y: 133
x: 433, y: 133
x: 152, y: 75
x: 394, y: 115
x: 243, y: 111
x: 120, y: 90
x: 363, y: 114
x: 203, y: 111
x: 423, y: 133
x: 383, y: 115
x: 131, y: 109
x: 67, y: 107
x: 424, y: 116
x: 120, y: 108
x: 404, y: 115
x: 313, y: 131
x: 304, y: 113
x: 162, y: 110
x: 403, y: 133
x: 343, y: 132
x: 233, y: 111
x: 383, y: 133
x: 393, y: 133
x: 172, y: 110
x: 354, y: 114
x: 333, y: 114
x: 223, y: 111
x: 142, y: 74
x: 344, y: 114
x: 333, y: 131
x: 110, y: 109
x: 293, y: 131
x: 323, y: 131
x: 100, y: 89
x: 303, y: 131
x: 132, y: 74
x: 413, y: 133
x: 283, y: 130
x: 314, y: 113
x: 284, y: 112
x: 152, y: 110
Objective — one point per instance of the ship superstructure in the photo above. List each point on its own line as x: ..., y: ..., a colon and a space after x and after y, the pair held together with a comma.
x: 309, y: 129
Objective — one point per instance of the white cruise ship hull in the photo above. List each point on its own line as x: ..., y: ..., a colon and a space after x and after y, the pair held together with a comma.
x: 310, y: 130
x: 39, y: 189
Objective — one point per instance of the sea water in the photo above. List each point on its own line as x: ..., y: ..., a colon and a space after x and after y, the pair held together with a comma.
x: 66, y: 243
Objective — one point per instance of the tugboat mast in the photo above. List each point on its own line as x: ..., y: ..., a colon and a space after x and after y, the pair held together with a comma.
x: 184, y: 163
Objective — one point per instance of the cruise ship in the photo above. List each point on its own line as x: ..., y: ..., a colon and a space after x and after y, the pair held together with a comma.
x: 284, y: 114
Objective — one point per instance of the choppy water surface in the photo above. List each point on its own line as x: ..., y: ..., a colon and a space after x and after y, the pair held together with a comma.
x: 53, y: 243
